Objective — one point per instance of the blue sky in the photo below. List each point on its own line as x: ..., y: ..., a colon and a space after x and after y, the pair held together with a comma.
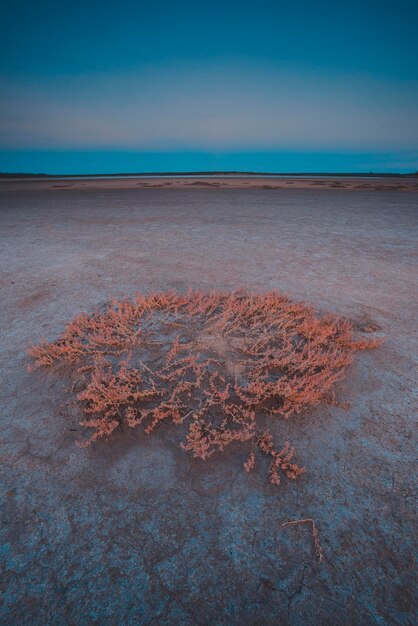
x: 92, y: 87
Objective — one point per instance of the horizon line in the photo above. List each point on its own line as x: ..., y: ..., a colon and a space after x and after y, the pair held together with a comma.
x: 202, y: 173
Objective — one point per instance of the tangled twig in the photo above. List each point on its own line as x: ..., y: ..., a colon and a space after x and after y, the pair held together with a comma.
x: 315, y: 535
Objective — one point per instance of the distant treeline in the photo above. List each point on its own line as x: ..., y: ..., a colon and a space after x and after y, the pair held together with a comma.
x: 212, y: 173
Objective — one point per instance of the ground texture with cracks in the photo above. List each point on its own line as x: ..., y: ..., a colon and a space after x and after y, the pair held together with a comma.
x: 134, y: 531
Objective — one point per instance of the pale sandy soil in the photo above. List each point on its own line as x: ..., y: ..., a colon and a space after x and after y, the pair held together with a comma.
x: 133, y: 531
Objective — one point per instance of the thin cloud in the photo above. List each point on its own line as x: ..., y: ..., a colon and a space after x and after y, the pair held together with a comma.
x: 229, y: 108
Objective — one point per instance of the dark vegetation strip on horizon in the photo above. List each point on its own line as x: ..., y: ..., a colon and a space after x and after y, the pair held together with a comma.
x: 212, y: 173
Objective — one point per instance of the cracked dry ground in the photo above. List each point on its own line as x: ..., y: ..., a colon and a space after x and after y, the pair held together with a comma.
x: 134, y: 531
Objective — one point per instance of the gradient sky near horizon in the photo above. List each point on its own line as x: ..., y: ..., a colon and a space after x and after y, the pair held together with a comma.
x: 101, y: 87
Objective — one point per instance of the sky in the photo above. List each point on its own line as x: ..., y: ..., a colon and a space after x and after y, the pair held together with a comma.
x: 105, y: 87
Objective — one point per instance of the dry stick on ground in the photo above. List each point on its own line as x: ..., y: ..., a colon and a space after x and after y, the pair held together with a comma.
x: 219, y: 363
x: 317, y: 545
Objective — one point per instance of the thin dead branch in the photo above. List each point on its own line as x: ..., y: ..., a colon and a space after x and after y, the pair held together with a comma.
x: 315, y: 535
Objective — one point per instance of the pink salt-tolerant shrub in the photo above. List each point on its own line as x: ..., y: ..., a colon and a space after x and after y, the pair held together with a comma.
x: 216, y: 362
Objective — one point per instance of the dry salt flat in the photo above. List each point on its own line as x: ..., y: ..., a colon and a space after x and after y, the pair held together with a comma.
x: 133, y: 530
